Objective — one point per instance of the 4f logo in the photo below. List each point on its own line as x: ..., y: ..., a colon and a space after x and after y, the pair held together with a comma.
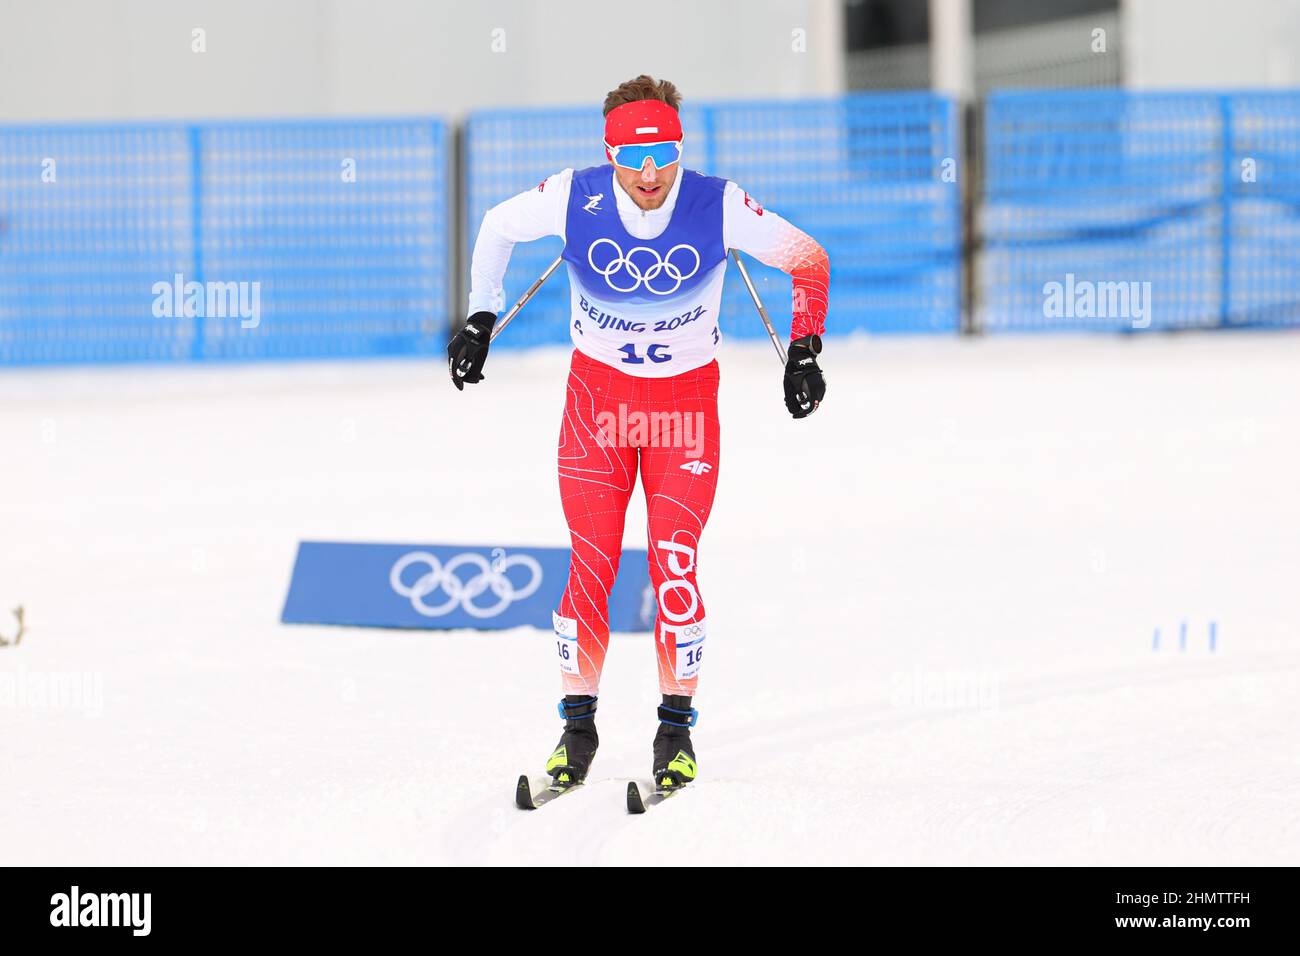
x: 754, y: 205
x: 696, y: 467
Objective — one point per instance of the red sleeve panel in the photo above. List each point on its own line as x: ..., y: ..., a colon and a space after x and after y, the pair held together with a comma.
x: 774, y: 241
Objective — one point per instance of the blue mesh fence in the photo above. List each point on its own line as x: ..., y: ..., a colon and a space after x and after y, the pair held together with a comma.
x: 90, y: 219
x: 1101, y: 209
x: 863, y: 174
x: 1117, y: 210
x: 1264, y: 217
x: 223, y: 240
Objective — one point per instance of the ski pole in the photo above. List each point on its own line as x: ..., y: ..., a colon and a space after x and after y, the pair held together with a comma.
x: 762, y: 312
x: 505, y: 319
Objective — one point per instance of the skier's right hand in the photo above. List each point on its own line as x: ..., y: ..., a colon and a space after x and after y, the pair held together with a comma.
x: 468, y: 349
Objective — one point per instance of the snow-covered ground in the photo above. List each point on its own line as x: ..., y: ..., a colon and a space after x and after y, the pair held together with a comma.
x: 931, y: 612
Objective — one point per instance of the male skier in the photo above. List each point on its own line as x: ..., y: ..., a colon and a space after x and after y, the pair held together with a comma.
x: 645, y: 242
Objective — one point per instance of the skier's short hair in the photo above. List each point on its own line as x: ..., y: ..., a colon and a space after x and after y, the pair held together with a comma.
x: 644, y: 87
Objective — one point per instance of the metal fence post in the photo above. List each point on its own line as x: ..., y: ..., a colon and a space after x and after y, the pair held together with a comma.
x: 971, y: 182
x: 457, y: 204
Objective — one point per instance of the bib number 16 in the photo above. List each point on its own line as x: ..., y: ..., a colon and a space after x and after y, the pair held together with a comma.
x: 655, y: 353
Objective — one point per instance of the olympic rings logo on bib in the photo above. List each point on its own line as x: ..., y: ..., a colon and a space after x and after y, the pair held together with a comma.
x: 643, y: 265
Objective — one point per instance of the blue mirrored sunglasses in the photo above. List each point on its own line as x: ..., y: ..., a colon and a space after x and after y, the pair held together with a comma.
x: 633, y: 155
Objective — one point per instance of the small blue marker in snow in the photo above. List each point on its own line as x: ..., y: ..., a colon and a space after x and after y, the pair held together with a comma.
x: 1182, y: 636
x: 1214, y: 634
x: 1155, y: 640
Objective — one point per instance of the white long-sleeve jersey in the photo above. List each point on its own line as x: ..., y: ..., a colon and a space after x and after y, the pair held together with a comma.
x: 746, y: 225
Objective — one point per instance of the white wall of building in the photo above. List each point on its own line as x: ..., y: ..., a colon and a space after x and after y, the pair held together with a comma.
x: 1211, y: 44
x: 114, y: 59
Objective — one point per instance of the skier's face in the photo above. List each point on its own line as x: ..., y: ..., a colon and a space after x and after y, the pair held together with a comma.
x: 648, y: 186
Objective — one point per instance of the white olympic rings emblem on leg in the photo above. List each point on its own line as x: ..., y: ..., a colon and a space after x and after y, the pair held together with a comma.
x: 491, y: 575
x: 643, y: 276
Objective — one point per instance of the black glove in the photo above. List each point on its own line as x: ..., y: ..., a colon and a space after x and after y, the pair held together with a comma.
x: 468, y: 349
x: 804, y: 385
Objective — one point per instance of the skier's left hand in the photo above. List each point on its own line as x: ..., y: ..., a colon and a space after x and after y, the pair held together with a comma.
x: 804, y: 385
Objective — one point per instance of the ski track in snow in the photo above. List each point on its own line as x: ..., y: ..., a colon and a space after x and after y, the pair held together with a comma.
x: 931, y: 609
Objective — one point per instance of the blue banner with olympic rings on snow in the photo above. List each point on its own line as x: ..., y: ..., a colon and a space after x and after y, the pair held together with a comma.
x: 443, y: 586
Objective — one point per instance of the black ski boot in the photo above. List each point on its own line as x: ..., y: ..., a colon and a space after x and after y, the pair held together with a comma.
x: 577, y: 747
x: 674, y: 756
